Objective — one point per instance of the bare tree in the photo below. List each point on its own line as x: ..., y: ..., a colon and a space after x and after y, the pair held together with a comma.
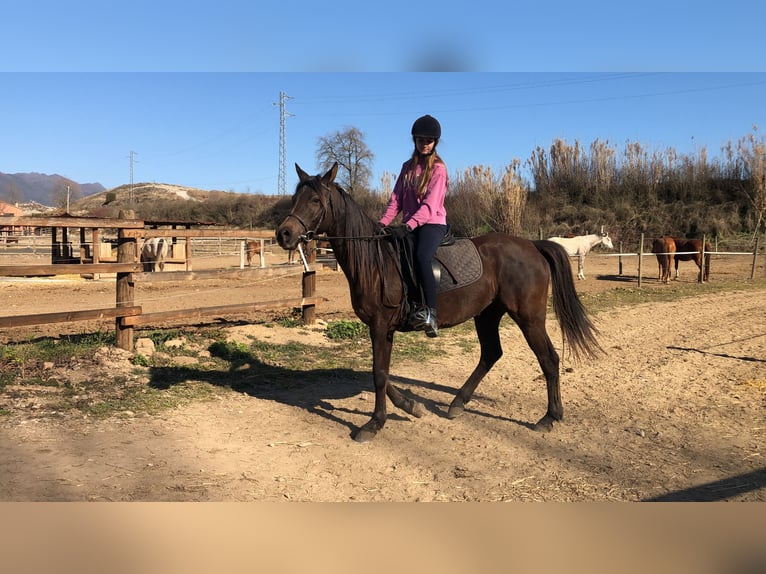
x: 752, y: 159
x: 12, y: 194
x: 349, y: 149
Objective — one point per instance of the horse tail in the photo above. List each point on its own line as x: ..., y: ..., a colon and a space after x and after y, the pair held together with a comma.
x: 577, y: 327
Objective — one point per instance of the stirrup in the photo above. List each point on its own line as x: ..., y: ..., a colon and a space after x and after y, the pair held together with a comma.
x: 424, y: 319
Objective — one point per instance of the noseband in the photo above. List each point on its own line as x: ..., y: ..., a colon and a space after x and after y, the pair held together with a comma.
x: 309, y: 235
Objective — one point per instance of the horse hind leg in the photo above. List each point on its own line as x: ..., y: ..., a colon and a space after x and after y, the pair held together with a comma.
x: 541, y: 345
x: 487, y: 329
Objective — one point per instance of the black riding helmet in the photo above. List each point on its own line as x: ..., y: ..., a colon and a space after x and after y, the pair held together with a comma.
x: 427, y: 127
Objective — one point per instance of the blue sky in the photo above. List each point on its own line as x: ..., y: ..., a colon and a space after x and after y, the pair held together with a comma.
x: 192, y: 87
x: 221, y: 130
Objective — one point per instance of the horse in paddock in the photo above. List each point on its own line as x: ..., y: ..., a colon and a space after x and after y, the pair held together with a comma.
x: 691, y: 250
x: 581, y: 245
x: 252, y: 248
x: 321, y: 245
x: 664, y: 248
x: 153, y: 253
x: 512, y: 277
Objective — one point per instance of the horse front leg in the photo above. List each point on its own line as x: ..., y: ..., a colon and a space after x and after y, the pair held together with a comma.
x: 491, y: 351
x: 409, y: 406
x: 580, y: 267
x: 382, y: 342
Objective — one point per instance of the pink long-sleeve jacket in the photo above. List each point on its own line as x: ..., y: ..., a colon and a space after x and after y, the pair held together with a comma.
x: 404, y: 198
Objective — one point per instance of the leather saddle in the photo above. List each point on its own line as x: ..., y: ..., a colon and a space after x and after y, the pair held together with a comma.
x: 456, y: 264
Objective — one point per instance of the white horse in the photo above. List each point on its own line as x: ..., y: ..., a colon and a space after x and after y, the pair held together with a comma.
x: 153, y: 253
x: 581, y: 245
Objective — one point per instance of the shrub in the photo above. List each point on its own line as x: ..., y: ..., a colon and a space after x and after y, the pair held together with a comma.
x: 337, y: 330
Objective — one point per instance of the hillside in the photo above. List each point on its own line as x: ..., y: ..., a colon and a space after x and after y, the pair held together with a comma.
x: 108, y: 203
x: 168, y: 202
x: 42, y: 188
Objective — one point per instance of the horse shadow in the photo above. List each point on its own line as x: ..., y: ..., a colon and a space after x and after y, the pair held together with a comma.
x: 440, y: 408
x: 617, y: 278
x: 312, y: 390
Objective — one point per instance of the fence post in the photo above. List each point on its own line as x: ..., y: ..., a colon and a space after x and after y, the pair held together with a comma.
x: 701, y: 276
x: 640, y: 258
x: 309, y: 285
x: 619, y: 261
x: 126, y: 253
x: 755, y: 258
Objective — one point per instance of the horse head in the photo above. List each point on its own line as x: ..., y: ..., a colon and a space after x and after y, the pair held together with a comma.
x: 606, y: 241
x: 310, y: 214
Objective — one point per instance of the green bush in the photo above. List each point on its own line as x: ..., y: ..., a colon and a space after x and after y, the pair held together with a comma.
x: 338, y: 330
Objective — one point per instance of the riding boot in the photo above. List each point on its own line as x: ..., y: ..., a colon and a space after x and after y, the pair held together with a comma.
x: 431, y: 328
x: 424, y: 319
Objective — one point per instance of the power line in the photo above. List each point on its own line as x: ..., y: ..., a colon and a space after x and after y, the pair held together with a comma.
x: 132, y: 161
x: 282, y: 145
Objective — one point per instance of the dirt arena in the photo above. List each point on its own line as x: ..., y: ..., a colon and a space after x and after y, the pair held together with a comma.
x: 673, y: 411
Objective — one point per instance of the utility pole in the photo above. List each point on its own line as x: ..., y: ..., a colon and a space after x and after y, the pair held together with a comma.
x: 282, y: 146
x: 132, y: 161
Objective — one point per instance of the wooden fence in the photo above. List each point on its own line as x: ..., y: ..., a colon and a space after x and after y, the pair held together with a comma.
x: 128, y: 271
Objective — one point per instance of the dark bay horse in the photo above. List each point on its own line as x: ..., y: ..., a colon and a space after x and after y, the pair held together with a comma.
x: 691, y: 250
x: 516, y: 274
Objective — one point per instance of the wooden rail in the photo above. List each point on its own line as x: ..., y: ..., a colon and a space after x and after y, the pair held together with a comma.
x: 67, y: 316
x: 128, y: 271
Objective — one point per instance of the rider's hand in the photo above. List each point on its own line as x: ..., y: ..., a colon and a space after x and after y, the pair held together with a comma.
x: 398, y: 232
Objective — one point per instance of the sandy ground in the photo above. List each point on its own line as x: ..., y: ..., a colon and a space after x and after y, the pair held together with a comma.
x: 673, y: 411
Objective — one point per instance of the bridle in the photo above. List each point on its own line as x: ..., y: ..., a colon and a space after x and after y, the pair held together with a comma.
x: 312, y: 233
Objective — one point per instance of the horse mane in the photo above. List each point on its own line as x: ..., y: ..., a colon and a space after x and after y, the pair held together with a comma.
x: 358, y: 250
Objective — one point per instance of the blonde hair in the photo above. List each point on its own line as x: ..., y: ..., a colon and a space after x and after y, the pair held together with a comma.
x: 430, y: 160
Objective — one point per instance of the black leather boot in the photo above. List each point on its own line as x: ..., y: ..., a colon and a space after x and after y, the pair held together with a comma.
x: 424, y: 319
x: 431, y: 328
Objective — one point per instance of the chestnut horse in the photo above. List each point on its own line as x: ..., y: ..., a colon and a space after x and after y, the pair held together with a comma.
x: 664, y: 248
x: 252, y: 248
x: 691, y: 250
x: 515, y: 277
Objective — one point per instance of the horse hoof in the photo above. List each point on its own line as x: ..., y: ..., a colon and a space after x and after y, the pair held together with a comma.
x: 455, y: 411
x: 363, y: 435
x: 545, y: 424
x: 418, y: 410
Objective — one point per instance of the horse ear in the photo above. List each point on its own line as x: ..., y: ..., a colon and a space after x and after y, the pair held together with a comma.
x: 302, y: 175
x: 330, y: 175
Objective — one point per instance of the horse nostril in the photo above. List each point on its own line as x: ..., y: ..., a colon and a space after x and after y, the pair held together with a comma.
x: 283, y: 237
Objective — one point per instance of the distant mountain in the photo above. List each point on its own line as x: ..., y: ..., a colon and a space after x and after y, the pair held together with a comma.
x: 42, y: 188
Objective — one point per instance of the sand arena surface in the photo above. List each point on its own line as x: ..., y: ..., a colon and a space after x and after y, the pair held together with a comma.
x: 674, y: 411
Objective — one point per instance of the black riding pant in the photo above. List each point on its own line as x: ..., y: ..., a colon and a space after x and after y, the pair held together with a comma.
x: 427, y: 239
